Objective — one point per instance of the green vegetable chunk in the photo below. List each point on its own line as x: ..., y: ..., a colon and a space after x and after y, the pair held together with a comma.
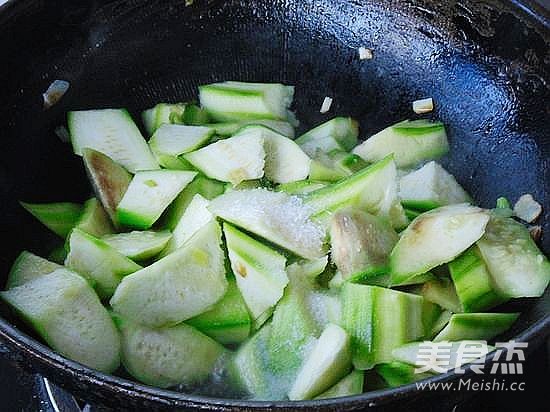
x: 379, y: 320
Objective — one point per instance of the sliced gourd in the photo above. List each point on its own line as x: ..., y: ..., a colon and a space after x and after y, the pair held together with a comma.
x: 411, y: 142
x: 339, y: 133
x: 434, y: 238
x: 284, y: 160
x: 300, y: 187
x: 293, y: 331
x: 109, y: 180
x: 230, y: 128
x: 114, y: 133
x: 27, y: 267
x: 60, y: 217
x: 249, y: 371
x: 96, y: 260
x: 477, y: 326
x: 328, y: 362
x: 429, y: 187
x: 65, y: 311
x: 182, y: 285
x: 231, y: 160
x: 229, y: 101
x: 361, y: 244
x: 442, y: 292
x: 275, y: 216
x: 94, y: 220
x: 259, y: 271
x: 162, y: 113
x: 473, y: 283
x: 167, y: 356
x: 170, y: 141
x: 398, y: 373
x: 335, y: 165
x: 228, y: 322
x: 379, y: 320
x: 347, y: 386
x: 373, y: 189
x: 139, y: 245
x: 207, y: 188
x: 195, y: 217
x: 149, y: 193
x: 516, y: 265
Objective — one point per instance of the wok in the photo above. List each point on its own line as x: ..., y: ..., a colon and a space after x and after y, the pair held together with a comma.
x: 487, y: 66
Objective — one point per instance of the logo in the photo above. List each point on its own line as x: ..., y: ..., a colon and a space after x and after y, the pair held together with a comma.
x: 441, y: 357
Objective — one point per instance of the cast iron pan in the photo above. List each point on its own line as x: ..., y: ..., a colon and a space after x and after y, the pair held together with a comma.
x: 487, y: 66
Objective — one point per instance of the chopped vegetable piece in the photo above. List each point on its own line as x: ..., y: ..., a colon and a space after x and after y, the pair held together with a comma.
x: 228, y: 322
x: 293, y: 331
x: 473, y: 282
x: 96, y: 260
x: 28, y: 267
x: 172, y: 140
x: 149, y: 194
x: 361, y: 244
x: 347, y: 386
x: 259, y: 271
x: 231, y: 160
x: 335, y: 165
x: 249, y: 368
x: 109, y: 180
x: 163, y: 113
x: 207, y: 188
x: 94, y: 220
x: 442, y: 292
x: 429, y: 187
x: 195, y: 217
x: 230, y: 101
x: 60, y: 217
x: 373, y: 189
x: 167, y: 356
x: 411, y: 142
x: 182, y: 285
x: 379, y: 320
x: 503, y: 203
x: 477, y: 326
x: 275, y: 216
x: 399, y: 373
x: 328, y: 362
x: 114, y: 133
x: 516, y: 265
x: 230, y: 128
x: 436, y: 237
x: 139, y: 245
x: 339, y: 133
x: 65, y: 311
x: 284, y: 160
x: 300, y: 187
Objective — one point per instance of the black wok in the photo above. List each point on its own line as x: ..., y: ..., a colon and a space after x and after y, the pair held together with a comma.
x: 487, y: 66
